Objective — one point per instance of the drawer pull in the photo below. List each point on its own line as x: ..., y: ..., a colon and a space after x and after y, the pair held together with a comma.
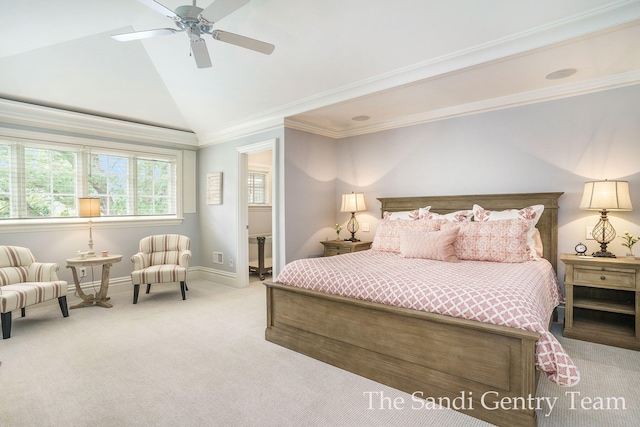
x: 603, y: 277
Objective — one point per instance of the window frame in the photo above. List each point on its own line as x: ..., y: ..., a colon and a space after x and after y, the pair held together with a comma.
x: 55, y: 141
x: 267, y: 184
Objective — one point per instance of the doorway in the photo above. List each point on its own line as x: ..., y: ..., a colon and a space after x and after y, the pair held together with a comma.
x: 258, y: 205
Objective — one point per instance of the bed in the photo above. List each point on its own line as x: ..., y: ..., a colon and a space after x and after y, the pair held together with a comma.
x: 422, y: 353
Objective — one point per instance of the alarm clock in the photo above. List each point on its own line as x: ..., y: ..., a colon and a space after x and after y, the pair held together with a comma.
x: 581, y: 249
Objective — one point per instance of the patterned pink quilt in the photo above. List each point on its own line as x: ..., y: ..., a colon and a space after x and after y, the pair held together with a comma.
x: 518, y: 295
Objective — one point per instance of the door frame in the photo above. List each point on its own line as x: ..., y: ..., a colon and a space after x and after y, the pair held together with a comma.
x: 277, y: 208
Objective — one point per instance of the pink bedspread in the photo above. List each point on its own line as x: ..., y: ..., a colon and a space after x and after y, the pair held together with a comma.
x: 518, y: 295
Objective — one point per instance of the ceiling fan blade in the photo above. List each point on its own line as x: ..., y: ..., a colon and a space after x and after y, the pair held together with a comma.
x: 200, y: 53
x: 159, y: 8
x: 221, y: 8
x: 242, y: 41
x: 137, y: 35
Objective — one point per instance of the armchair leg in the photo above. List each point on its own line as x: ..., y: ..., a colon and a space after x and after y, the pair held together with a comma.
x: 6, y: 325
x: 183, y: 286
x: 63, y: 306
x: 148, y: 287
x: 23, y: 311
x: 136, y: 290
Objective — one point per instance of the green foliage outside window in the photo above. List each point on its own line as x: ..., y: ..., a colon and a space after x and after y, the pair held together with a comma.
x: 40, y: 182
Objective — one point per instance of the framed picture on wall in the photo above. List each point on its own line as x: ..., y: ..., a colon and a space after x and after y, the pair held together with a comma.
x: 214, y: 188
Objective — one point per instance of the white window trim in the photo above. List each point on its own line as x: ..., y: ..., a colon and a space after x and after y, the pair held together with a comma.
x: 48, y: 224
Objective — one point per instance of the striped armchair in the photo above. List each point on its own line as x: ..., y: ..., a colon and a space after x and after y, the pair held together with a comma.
x: 162, y: 258
x: 25, y: 282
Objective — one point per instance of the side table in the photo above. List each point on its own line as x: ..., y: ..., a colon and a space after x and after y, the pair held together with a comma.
x: 101, y: 297
x: 602, y: 301
x: 339, y: 247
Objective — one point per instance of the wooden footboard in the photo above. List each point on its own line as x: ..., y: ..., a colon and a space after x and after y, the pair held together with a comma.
x: 434, y: 356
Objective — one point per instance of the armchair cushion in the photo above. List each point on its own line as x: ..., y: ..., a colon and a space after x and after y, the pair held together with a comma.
x: 25, y: 282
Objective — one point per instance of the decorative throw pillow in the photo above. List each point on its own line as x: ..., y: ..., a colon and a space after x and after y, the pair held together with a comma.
x: 437, y: 245
x: 387, y: 237
x: 498, y: 241
x: 412, y: 215
x: 459, y: 216
x: 530, y: 213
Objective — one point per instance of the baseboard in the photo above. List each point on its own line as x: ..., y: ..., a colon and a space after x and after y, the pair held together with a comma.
x: 120, y: 284
x: 217, y: 276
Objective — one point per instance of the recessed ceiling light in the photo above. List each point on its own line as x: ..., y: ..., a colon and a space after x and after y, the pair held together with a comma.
x: 560, y: 74
x: 360, y: 118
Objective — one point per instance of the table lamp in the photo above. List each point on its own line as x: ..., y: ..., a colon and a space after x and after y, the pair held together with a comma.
x: 353, y: 203
x: 605, y: 196
x: 89, y: 207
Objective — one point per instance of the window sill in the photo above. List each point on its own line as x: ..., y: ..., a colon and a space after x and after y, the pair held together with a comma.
x: 31, y: 225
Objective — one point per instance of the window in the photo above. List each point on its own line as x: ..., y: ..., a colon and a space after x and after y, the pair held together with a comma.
x: 5, y: 192
x: 155, y: 187
x: 49, y: 182
x: 258, y: 186
x: 46, y: 180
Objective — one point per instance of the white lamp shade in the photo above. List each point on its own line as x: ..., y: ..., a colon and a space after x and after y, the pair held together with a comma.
x: 353, y: 202
x: 88, y: 207
x: 609, y: 195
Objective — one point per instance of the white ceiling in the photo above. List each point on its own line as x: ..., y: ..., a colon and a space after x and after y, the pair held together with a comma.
x: 398, y: 61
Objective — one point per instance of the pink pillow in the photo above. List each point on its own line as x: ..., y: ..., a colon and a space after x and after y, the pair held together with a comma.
x: 437, y: 245
x: 531, y: 214
x: 459, y: 216
x: 498, y: 241
x: 387, y: 237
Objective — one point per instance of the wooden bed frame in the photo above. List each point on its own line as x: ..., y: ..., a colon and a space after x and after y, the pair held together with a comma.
x: 429, y: 354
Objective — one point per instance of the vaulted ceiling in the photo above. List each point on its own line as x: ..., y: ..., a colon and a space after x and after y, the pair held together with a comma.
x: 396, y: 62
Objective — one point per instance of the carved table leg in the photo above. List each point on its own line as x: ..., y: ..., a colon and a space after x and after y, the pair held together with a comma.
x: 87, y: 299
x: 102, y: 298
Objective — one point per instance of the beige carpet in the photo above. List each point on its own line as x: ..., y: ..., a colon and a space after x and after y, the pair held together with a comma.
x: 204, y: 362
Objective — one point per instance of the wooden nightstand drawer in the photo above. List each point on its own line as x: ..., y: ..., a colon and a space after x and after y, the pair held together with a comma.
x: 605, y: 276
x: 339, y: 247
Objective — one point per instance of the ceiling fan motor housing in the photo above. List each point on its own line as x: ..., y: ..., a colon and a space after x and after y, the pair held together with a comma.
x: 189, y: 13
x: 190, y: 18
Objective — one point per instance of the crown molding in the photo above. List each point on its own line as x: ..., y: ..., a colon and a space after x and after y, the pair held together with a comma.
x: 516, y: 100
x: 40, y: 117
x: 592, y: 21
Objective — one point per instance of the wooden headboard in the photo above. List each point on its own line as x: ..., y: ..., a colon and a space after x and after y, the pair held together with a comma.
x: 548, y: 223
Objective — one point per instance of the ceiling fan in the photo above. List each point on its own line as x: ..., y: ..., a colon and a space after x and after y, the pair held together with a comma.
x: 196, y: 22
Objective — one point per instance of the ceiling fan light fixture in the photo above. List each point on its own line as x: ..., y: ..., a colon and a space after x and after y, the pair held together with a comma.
x: 561, y: 74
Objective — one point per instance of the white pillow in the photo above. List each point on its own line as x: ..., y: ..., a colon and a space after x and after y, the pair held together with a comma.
x: 409, y: 215
x: 459, y: 216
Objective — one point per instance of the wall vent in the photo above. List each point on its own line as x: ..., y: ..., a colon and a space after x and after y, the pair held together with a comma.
x: 217, y: 258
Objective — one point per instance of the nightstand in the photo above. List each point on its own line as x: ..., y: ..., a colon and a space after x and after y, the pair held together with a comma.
x: 602, y: 300
x: 339, y: 247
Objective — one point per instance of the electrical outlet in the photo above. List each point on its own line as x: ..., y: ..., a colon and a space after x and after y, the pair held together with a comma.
x: 588, y: 233
x: 365, y: 227
x: 83, y: 272
x: 230, y: 262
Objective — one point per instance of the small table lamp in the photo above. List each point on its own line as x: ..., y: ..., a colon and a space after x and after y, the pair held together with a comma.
x: 89, y: 207
x: 353, y: 203
x: 605, y: 196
